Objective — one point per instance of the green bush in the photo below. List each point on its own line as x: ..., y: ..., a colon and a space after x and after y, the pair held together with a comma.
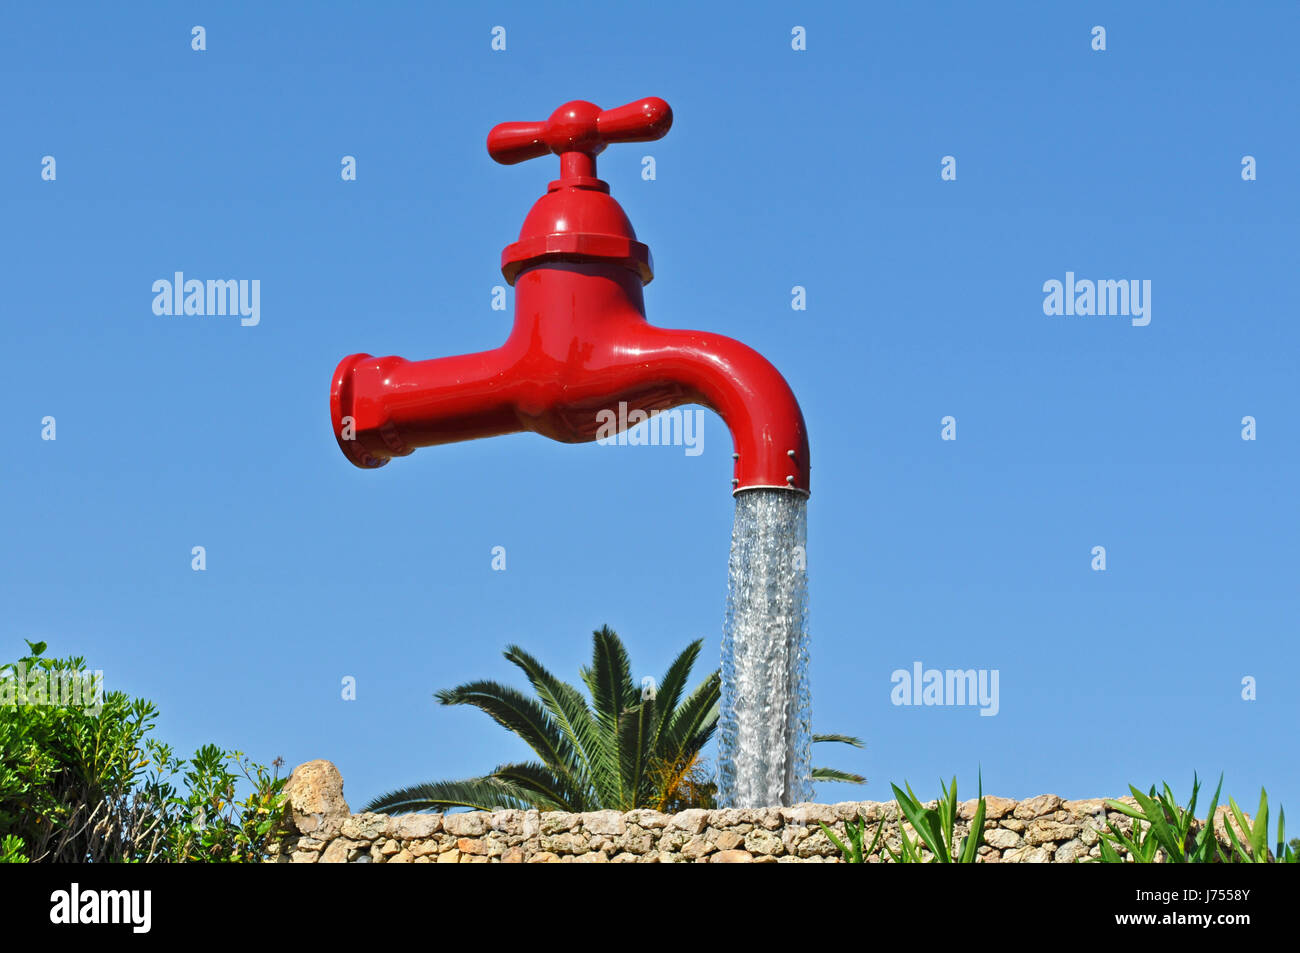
x: 11, y: 850
x: 80, y: 781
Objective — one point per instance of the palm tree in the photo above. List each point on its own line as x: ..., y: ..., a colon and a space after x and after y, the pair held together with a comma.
x: 631, y: 747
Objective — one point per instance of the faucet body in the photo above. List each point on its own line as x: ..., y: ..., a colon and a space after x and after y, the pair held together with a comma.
x: 580, y: 344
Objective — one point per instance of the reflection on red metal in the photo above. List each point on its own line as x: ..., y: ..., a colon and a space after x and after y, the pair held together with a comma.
x: 581, y: 343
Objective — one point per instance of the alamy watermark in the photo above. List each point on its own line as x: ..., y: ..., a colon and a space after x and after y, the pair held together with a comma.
x: 211, y: 297
x: 955, y: 687
x: 131, y: 908
x: 1084, y: 297
x: 656, y: 428
x: 61, y: 688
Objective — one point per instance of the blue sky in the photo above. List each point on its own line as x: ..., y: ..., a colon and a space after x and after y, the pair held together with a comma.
x: 818, y: 168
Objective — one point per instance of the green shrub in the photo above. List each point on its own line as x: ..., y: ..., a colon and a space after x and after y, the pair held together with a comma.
x: 80, y: 781
x: 11, y: 850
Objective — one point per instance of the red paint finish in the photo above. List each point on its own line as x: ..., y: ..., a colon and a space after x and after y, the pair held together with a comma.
x: 577, y: 220
x: 581, y: 343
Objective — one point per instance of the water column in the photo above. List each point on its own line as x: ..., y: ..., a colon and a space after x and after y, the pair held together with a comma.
x: 765, y: 727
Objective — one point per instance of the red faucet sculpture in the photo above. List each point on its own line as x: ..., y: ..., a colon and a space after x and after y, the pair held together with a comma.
x: 581, y: 343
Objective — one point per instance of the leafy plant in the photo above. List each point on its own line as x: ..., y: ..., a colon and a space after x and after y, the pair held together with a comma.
x: 629, y: 747
x: 74, y: 787
x: 936, y: 830
x: 937, y: 827
x: 11, y: 850
x: 1256, y: 835
x: 855, y: 831
x: 205, y: 821
x: 1164, y: 825
x: 1162, y: 831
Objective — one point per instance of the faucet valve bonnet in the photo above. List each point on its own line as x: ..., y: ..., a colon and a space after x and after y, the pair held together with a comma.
x: 577, y: 219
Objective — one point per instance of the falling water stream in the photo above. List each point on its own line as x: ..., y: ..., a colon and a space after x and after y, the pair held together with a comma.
x: 765, y: 727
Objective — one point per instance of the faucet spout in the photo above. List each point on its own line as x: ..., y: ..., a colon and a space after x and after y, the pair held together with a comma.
x: 580, y: 346
x: 770, y: 439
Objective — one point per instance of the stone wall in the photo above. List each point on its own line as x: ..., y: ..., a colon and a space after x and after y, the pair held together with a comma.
x: 1043, y: 829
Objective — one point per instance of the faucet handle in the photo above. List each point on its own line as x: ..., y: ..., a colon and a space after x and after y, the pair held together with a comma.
x: 642, y: 121
x: 579, y: 131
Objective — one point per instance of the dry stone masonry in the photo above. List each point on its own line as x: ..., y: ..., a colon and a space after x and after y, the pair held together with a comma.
x: 321, y: 829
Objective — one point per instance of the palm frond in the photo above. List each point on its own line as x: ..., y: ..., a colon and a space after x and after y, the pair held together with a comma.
x: 834, y: 774
x: 479, y: 794
x: 516, y: 712
x: 693, y: 723
x: 845, y: 739
x: 636, y: 733
x: 569, y: 711
x: 609, y: 679
x: 669, y: 691
x: 547, y: 790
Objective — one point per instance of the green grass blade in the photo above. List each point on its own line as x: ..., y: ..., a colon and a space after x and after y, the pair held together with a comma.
x: 924, y: 821
x: 839, y: 844
x: 1232, y: 833
x: 1280, y: 853
x: 880, y: 830
x: 1155, y: 816
x: 1125, y: 809
x: 1207, y: 844
x: 975, y: 838
x: 1108, y: 853
x: 1259, y: 833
